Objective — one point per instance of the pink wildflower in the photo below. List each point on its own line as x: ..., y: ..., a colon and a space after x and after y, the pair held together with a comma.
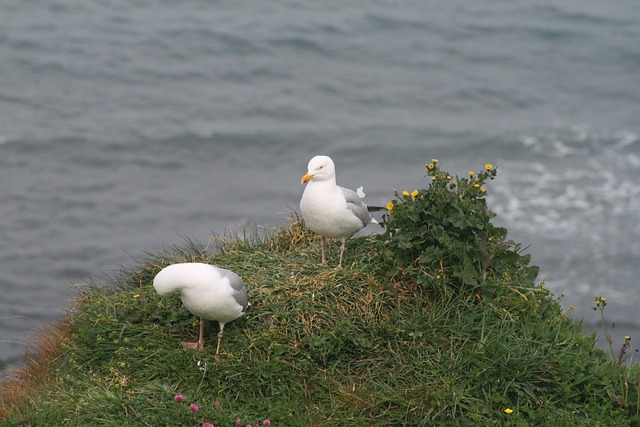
x: 194, y: 407
x: 266, y: 422
x: 217, y: 404
x: 238, y: 421
x: 178, y: 398
x: 208, y: 425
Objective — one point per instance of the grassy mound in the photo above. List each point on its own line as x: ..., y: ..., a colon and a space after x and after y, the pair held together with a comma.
x: 389, y: 339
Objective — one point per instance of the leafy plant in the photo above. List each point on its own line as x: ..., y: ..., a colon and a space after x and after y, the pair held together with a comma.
x: 444, y: 232
x: 624, y: 375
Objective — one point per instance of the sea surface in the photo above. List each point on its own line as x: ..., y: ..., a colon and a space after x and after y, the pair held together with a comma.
x: 129, y: 126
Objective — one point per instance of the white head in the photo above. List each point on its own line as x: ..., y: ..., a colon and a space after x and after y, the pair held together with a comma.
x: 181, y: 276
x: 320, y: 168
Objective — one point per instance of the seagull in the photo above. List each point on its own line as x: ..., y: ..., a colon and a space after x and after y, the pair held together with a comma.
x: 210, y: 292
x: 329, y: 210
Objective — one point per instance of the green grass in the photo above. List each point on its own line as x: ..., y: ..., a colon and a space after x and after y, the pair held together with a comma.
x: 320, y: 346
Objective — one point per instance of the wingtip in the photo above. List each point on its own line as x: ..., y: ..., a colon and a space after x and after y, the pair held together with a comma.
x: 376, y: 208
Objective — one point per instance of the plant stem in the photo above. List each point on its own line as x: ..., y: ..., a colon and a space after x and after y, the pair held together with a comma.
x: 607, y: 335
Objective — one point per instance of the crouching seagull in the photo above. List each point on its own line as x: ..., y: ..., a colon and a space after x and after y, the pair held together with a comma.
x: 207, y: 291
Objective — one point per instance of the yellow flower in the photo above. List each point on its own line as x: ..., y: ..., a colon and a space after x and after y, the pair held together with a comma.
x: 627, y: 338
x: 433, y: 178
x: 482, y: 190
x: 488, y: 166
x: 508, y: 411
x: 390, y: 206
x: 471, y: 173
x: 414, y: 193
x: 448, y: 176
x: 438, y: 276
x: 136, y: 296
x: 405, y: 193
x: 430, y: 166
x: 434, y: 160
x: 476, y: 185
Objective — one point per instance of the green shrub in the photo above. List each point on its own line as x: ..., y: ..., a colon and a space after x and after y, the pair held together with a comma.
x: 445, y: 233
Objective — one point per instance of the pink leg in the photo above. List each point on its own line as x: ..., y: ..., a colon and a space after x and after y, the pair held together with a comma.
x: 341, y: 252
x: 324, y: 259
x: 219, y: 338
x: 196, y: 345
x: 201, y: 339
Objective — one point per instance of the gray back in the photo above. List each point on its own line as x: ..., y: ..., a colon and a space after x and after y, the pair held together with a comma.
x: 356, y: 205
x: 239, y: 289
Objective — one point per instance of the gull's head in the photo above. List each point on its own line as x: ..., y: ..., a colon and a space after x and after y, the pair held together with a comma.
x: 320, y: 168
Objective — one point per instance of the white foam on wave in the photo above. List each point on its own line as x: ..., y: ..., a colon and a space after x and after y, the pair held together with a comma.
x: 626, y: 138
x: 573, y: 193
x: 592, y: 182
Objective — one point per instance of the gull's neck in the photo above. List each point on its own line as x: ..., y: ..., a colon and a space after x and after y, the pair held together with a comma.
x: 327, y: 183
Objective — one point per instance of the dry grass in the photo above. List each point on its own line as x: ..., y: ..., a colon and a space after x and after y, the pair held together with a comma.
x: 23, y: 383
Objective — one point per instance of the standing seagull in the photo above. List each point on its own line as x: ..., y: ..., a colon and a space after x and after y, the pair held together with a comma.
x: 207, y: 291
x: 332, y: 211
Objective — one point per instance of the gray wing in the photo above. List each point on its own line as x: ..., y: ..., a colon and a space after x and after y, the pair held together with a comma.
x: 356, y: 205
x: 239, y: 289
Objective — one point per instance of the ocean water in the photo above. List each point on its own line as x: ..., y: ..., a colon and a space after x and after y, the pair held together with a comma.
x: 128, y: 126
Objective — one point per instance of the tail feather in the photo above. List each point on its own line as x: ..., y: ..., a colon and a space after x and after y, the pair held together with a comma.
x: 376, y: 208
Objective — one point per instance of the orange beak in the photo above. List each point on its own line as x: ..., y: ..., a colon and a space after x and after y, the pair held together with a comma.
x: 306, y: 178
